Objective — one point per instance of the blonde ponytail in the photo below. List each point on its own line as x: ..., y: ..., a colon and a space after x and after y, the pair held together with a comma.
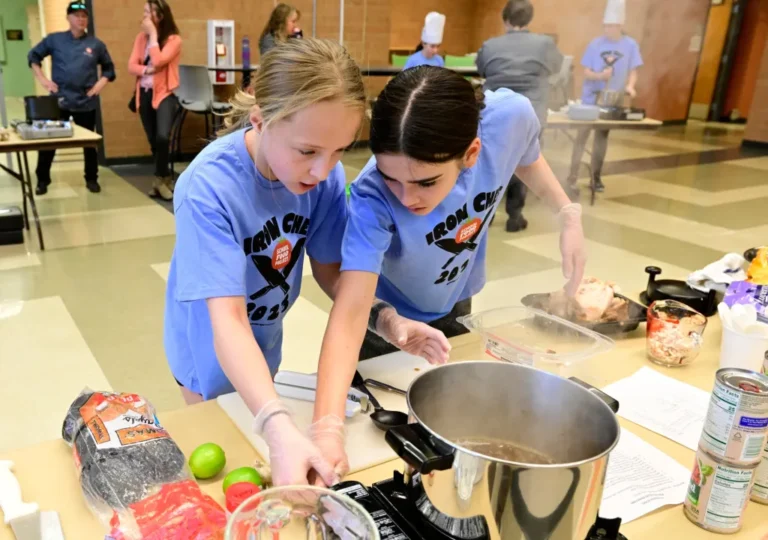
x: 295, y: 75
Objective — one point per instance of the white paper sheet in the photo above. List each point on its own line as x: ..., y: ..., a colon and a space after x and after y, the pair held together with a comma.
x: 662, y: 404
x: 640, y: 479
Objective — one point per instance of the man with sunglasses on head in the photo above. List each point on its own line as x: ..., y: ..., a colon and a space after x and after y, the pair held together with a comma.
x: 76, y: 57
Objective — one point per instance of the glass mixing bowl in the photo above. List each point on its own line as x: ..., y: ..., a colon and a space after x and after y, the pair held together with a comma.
x: 300, y: 512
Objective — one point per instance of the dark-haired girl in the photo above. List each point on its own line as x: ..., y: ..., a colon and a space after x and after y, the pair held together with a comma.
x: 419, y: 214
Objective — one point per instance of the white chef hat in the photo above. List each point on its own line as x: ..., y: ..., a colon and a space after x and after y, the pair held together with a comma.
x: 434, y: 24
x: 615, y: 12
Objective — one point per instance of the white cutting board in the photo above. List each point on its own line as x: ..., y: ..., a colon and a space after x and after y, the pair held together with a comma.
x: 365, y: 442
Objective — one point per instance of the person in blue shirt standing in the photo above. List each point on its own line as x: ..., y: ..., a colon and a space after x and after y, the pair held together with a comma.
x: 431, y: 38
x: 248, y: 208
x: 419, y: 212
x: 610, y: 62
x: 76, y: 57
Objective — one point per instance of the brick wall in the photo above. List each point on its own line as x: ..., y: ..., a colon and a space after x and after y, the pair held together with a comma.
x: 117, y: 24
x: 757, y: 125
x: 55, y: 15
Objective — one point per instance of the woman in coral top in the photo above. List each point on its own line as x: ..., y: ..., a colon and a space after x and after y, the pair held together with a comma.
x: 155, y: 63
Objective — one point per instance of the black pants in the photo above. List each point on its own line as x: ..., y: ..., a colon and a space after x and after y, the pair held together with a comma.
x: 599, y: 148
x: 374, y: 346
x: 157, y: 126
x: 87, y: 120
x: 516, y: 193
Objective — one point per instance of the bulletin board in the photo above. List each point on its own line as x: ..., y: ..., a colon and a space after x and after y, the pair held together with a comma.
x: 3, y: 58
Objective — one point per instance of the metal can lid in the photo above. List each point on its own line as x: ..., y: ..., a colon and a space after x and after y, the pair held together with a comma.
x: 744, y: 380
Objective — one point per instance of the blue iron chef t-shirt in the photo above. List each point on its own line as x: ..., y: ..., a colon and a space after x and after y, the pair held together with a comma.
x: 426, y: 264
x: 238, y: 234
x: 623, y: 55
x: 418, y: 59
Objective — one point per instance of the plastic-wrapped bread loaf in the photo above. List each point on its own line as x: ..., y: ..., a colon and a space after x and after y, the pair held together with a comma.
x: 133, y: 475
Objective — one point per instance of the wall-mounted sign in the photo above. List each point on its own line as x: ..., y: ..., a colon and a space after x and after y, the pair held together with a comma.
x: 14, y: 35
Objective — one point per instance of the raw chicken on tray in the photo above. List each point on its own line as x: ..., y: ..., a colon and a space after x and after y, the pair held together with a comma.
x: 595, y: 301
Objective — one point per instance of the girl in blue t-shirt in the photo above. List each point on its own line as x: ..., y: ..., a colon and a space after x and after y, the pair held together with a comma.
x: 428, y: 51
x: 247, y: 210
x: 419, y: 214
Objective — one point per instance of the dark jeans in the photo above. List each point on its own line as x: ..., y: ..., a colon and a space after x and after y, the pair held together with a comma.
x: 157, y: 126
x: 374, y: 346
x: 516, y: 193
x: 599, y: 148
x: 87, y: 120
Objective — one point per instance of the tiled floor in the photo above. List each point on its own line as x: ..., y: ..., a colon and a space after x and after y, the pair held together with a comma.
x: 89, y: 310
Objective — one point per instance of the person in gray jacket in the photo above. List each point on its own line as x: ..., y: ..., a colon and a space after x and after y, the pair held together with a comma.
x: 523, y: 62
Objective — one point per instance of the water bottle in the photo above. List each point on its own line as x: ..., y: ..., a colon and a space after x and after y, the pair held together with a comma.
x: 246, y: 52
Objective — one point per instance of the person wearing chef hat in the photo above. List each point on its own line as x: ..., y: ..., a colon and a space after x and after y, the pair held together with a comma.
x: 431, y: 39
x: 610, y: 63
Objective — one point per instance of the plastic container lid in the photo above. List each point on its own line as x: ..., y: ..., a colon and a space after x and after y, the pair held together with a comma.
x: 525, y: 335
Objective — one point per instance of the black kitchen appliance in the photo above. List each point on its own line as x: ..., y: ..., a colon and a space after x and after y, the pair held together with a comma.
x: 402, y: 511
x: 622, y: 113
x: 675, y: 289
x: 638, y: 313
x: 11, y: 226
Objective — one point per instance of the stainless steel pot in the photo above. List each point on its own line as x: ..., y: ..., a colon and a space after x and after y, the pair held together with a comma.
x: 471, y: 495
x: 610, y: 98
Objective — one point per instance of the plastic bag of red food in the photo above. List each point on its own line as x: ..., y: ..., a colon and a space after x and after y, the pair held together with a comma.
x: 133, y: 476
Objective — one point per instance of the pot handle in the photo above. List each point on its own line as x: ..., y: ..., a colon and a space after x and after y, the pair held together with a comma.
x: 419, y: 449
x: 611, y: 402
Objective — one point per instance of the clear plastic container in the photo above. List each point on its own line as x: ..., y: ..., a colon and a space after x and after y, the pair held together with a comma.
x: 300, y: 512
x: 674, y: 333
x: 532, y: 337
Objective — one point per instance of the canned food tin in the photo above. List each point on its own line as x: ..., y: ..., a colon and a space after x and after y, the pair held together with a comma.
x: 736, y: 425
x: 718, y: 493
x: 760, y: 489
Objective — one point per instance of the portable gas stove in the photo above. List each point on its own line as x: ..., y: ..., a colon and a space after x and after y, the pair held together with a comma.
x: 403, y: 512
x: 45, y: 129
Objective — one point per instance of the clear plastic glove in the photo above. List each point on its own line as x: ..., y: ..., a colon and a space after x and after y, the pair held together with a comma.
x: 572, y: 246
x: 413, y: 337
x: 292, y: 455
x: 329, y: 436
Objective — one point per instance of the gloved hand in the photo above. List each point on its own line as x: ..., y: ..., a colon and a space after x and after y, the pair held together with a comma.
x: 413, y: 337
x: 329, y: 436
x: 572, y: 246
x: 292, y: 456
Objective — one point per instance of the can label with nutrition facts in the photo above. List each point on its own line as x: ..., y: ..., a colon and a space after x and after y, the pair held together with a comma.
x: 718, y: 493
x: 760, y: 489
x: 736, y: 426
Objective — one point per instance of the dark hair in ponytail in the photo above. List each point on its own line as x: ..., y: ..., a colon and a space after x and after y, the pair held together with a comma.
x: 426, y: 113
x: 419, y: 47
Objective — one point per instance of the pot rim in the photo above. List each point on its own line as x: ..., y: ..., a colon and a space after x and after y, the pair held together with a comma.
x: 504, y: 461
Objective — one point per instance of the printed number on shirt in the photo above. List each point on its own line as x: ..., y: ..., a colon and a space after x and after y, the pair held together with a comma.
x: 451, y: 275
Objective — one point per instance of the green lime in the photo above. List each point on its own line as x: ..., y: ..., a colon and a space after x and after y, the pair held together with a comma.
x: 207, y: 460
x: 243, y: 474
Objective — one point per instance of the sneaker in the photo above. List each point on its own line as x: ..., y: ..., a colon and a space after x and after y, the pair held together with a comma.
x: 162, y: 187
x: 516, y: 224
x: 599, y: 186
x: 93, y: 187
